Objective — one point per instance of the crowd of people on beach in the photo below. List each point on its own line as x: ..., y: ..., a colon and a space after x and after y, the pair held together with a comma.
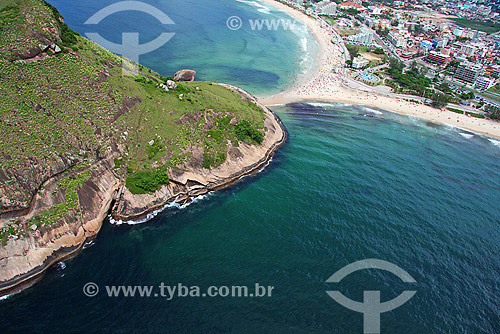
x: 327, y: 79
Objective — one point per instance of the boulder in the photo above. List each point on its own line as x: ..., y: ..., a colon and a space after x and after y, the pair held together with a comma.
x: 184, y: 75
x: 171, y: 84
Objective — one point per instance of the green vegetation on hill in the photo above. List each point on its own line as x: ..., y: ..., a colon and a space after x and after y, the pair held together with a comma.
x: 146, y: 181
x: 488, y: 27
x: 413, y: 81
x: 83, y: 103
x: 69, y: 185
x: 375, y: 56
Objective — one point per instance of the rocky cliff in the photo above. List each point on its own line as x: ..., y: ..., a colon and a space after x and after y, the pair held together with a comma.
x: 80, y: 140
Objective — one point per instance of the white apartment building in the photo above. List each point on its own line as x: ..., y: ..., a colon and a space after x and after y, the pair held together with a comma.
x: 326, y: 7
x: 363, y: 38
x: 468, y: 49
x: 484, y: 83
x: 360, y: 62
x: 396, y: 39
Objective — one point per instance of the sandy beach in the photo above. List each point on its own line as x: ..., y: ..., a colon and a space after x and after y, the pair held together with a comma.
x: 324, y: 84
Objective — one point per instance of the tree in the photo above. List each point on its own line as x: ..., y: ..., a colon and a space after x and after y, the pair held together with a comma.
x: 445, y: 88
x: 440, y: 100
x: 353, y: 50
x: 452, y: 64
x: 382, y: 32
x: 418, y: 29
x: 493, y: 111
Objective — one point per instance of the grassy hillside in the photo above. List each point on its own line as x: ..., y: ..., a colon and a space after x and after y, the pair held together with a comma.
x: 488, y: 27
x: 65, y: 102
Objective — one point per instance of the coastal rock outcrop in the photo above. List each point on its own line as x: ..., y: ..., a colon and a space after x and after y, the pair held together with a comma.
x: 24, y: 260
x: 190, y: 180
x: 184, y: 75
x: 87, y: 141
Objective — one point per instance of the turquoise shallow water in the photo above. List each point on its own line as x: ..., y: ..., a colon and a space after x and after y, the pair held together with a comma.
x: 262, y: 61
x: 350, y: 184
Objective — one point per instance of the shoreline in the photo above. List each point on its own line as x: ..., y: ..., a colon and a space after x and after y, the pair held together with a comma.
x: 322, y: 84
x: 89, y: 230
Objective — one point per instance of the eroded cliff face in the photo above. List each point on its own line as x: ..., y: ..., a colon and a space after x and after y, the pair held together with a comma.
x: 27, y: 256
x: 190, y: 179
x: 76, y: 134
x: 99, y: 190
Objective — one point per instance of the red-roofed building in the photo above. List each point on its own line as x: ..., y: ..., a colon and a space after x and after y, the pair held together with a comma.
x: 350, y: 4
x: 435, y: 57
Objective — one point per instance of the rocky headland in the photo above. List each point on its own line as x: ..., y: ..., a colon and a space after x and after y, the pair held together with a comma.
x: 80, y: 140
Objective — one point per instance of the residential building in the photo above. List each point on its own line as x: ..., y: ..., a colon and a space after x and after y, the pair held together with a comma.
x: 360, y: 62
x: 350, y: 4
x: 326, y: 7
x: 363, y: 38
x: 439, y: 58
x: 467, y: 71
x: 439, y: 43
x: 396, y: 39
x: 468, y: 49
x: 484, y: 83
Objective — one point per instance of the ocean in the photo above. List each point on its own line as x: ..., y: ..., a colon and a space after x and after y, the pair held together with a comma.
x: 257, y: 58
x: 351, y: 183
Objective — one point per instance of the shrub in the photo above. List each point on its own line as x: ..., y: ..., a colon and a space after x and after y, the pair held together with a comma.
x: 147, y: 181
x: 165, y: 79
x: 154, y: 150
x: 246, y: 132
x: 208, y: 161
x: 68, y: 36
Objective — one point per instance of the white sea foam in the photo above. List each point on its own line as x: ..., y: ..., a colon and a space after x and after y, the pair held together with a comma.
x: 4, y: 297
x: 373, y: 111
x: 495, y: 142
x: 466, y: 135
x: 153, y: 214
x: 329, y: 104
x: 89, y: 244
x: 303, y: 43
x: 321, y: 104
x: 305, y: 57
x: 260, y: 7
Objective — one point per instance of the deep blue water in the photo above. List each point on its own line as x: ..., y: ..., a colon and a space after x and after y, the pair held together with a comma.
x: 261, y: 61
x: 351, y: 183
x: 345, y: 187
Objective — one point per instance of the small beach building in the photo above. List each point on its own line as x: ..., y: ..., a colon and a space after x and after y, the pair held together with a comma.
x: 360, y: 62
